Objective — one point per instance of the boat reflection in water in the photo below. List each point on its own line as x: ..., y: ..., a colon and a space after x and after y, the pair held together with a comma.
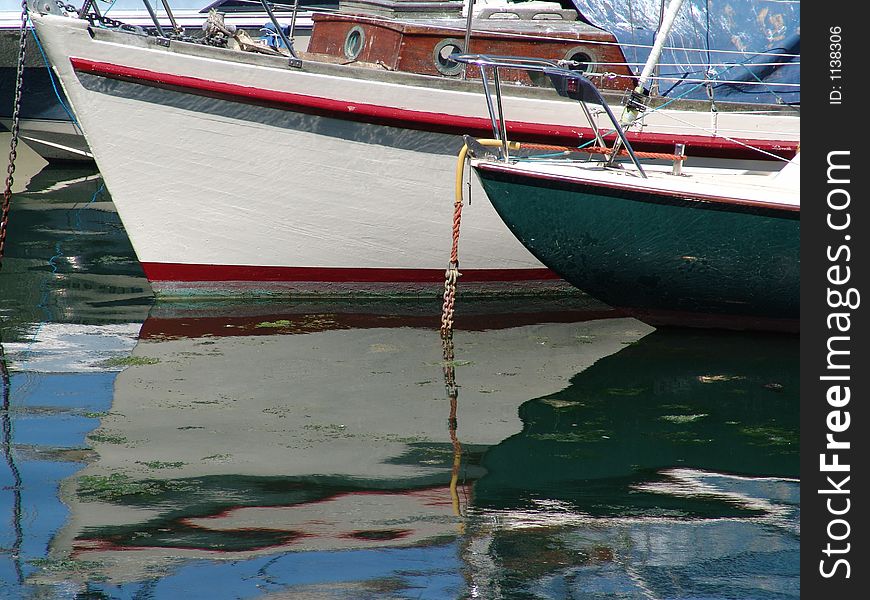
x: 67, y: 258
x: 72, y: 297
x: 319, y: 453
x: 667, y: 470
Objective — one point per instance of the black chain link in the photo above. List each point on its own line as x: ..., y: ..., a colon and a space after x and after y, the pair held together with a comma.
x: 97, y: 19
x: 111, y: 23
x: 16, y: 124
x: 68, y: 8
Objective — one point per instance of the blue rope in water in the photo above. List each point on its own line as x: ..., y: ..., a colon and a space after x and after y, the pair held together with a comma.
x: 52, y: 262
x: 78, y: 223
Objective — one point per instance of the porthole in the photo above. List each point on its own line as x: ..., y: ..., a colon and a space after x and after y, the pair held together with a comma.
x: 582, y: 58
x: 441, y: 56
x: 354, y: 42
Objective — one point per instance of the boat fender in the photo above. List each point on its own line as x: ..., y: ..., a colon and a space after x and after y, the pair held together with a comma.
x: 271, y: 37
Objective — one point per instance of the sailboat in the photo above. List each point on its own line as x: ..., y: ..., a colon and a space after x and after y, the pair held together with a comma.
x: 707, y: 247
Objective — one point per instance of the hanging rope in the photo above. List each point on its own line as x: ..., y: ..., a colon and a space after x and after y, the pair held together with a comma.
x: 451, y: 276
x: 16, y: 123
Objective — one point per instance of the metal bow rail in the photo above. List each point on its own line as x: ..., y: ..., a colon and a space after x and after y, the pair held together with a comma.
x: 568, y: 83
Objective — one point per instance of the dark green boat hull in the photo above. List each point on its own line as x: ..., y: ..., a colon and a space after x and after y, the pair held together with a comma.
x: 665, y: 259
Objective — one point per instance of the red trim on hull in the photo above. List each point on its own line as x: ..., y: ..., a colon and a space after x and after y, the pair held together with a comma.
x: 230, y: 326
x: 176, y: 272
x: 424, y: 120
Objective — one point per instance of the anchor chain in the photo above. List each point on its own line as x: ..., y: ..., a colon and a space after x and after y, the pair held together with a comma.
x: 452, y: 391
x: 16, y: 124
x: 452, y: 275
x: 449, y: 363
x: 93, y: 18
x: 67, y: 8
x: 105, y: 21
x: 452, y: 426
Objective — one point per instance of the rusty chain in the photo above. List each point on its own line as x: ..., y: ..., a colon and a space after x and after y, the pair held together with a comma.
x: 449, y: 365
x: 451, y: 276
x: 16, y: 124
x: 452, y: 390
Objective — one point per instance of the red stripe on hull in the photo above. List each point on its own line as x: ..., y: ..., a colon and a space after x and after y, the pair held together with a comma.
x: 427, y: 121
x: 228, y: 326
x: 176, y: 272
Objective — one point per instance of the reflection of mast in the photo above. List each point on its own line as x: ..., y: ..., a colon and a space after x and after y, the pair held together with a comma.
x: 6, y: 419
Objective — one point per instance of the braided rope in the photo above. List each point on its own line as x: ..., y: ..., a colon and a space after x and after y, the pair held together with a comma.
x: 605, y: 150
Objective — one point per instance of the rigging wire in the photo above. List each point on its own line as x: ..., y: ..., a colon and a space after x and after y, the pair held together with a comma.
x: 51, y: 78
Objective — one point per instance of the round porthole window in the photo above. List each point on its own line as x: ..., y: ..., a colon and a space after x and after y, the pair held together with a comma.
x: 441, y: 56
x: 354, y: 42
x: 582, y: 59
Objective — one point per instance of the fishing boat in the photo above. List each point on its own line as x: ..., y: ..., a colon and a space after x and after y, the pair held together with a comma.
x: 323, y: 172
x: 710, y: 247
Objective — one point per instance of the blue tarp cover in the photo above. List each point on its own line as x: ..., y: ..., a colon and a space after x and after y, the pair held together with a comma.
x: 743, y: 37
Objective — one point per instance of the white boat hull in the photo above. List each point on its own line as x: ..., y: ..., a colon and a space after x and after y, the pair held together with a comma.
x: 235, y: 173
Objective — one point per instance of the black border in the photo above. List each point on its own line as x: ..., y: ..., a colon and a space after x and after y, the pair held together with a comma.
x: 828, y: 127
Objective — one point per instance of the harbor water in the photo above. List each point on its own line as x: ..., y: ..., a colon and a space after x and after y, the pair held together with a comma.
x: 322, y: 449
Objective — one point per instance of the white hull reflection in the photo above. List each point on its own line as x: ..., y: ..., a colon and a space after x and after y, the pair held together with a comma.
x: 339, y: 410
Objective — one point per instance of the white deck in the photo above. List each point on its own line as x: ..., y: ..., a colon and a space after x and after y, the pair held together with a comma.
x: 777, y: 187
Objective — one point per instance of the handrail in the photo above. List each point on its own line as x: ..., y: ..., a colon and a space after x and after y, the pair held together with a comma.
x: 171, y: 16
x: 568, y: 83
x: 154, y: 19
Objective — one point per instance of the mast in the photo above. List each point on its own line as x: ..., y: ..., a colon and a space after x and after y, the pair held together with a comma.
x: 635, y: 103
x: 659, y: 44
